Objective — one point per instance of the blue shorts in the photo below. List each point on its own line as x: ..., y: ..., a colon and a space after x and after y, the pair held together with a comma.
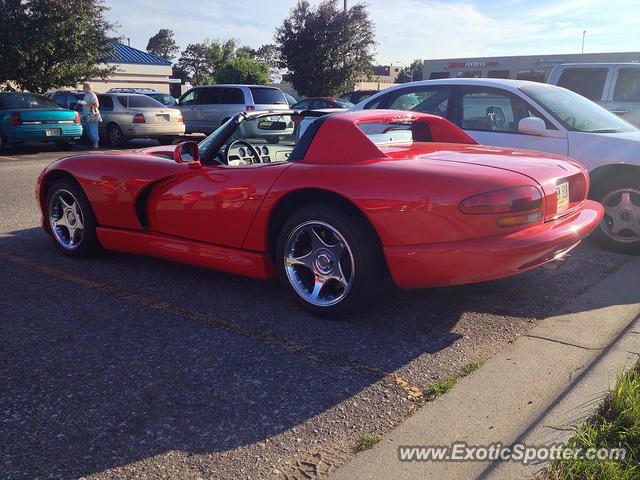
x: 92, y: 131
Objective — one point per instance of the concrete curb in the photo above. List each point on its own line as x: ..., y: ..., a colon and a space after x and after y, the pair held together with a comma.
x: 556, y: 375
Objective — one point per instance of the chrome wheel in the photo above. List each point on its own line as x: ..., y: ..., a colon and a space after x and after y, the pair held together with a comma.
x: 115, y: 136
x: 621, y: 221
x: 66, y: 219
x: 319, y: 263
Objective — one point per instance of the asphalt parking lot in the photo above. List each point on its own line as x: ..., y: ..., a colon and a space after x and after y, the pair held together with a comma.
x: 121, y: 366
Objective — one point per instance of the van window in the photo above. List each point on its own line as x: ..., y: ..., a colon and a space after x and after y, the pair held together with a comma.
x: 232, y: 95
x: 190, y: 98
x: 210, y: 96
x: 588, y: 82
x: 627, y: 85
x: 267, y: 96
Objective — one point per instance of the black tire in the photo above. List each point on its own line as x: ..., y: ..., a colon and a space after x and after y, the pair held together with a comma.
x: 73, y: 238
x: 614, y: 233
x: 166, y: 140
x: 361, y: 262
x: 115, y: 137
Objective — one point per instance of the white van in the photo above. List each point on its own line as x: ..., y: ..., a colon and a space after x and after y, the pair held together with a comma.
x: 207, y: 107
x: 615, y: 86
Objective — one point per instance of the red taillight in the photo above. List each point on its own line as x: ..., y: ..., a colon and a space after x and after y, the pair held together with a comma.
x: 250, y: 108
x: 138, y: 118
x: 508, y: 200
x: 180, y: 118
x: 15, y: 119
x: 77, y: 118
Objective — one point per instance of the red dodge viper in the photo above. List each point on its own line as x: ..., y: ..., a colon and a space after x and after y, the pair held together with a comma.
x: 332, y: 205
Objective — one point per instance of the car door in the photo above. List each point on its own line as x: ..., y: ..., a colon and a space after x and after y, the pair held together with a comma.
x: 209, y: 112
x: 233, y: 101
x: 625, y: 95
x: 491, y: 116
x: 214, y: 204
x: 188, y: 105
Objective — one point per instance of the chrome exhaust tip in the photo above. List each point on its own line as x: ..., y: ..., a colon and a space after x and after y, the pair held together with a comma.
x: 555, y: 264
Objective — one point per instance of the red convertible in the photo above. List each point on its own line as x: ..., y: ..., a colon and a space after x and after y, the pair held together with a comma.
x: 333, y: 206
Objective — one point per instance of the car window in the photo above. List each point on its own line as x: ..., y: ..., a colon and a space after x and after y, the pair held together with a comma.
x: 627, y: 85
x: 339, y: 103
x: 138, y: 101
x: 26, y: 100
x: 375, y: 103
x: 232, y: 96
x: 163, y: 98
x: 574, y: 111
x: 384, y: 132
x: 190, y: 98
x: 106, y: 103
x: 433, y: 100
x: 490, y: 109
x: 210, y: 96
x: 303, y: 105
x: 588, y: 82
x: 316, y: 104
x: 267, y: 96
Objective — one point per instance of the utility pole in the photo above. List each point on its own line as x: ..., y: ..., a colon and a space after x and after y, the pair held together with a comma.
x: 583, y: 34
x: 345, y: 6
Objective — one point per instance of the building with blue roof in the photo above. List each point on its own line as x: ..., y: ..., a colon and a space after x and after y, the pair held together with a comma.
x: 135, y: 69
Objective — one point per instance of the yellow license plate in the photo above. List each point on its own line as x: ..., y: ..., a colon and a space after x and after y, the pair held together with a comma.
x: 562, y: 191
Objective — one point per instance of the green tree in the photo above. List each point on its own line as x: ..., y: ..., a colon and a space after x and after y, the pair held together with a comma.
x: 243, y: 70
x: 411, y: 73
x: 325, y: 49
x: 195, y: 61
x: 47, y: 44
x: 270, y: 54
x: 163, y: 45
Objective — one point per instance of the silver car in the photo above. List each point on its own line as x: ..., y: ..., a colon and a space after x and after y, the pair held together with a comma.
x: 207, y: 107
x: 131, y: 115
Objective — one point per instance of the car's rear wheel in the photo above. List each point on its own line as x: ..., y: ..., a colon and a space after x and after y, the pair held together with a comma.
x: 71, y: 219
x: 619, y: 230
x: 115, y: 136
x: 328, y: 260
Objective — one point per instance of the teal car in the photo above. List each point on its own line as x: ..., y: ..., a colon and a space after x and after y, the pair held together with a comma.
x: 34, y: 117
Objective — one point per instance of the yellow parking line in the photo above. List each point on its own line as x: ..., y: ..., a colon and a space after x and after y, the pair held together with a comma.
x: 254, y: 333
x: 7, y: 158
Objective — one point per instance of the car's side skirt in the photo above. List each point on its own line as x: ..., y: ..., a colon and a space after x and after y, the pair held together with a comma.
x: 215, y: 257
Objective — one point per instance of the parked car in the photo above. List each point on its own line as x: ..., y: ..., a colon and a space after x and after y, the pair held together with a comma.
x: 162, y: 97
x: 358, y: 95
x: 207, y: 107
x: 33, y: 117
x: 615, y: 86
x: 537, y: 116
x: 132, y: 115
x: 129, y: 115
x: 318, y: 103
x: 332, y: 212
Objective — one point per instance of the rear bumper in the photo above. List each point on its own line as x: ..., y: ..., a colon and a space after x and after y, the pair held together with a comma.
x: 455, y: 263
x: 143, y: 130
x: 25, y: 133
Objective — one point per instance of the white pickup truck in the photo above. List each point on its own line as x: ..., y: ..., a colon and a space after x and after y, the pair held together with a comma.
x: 615, y: 86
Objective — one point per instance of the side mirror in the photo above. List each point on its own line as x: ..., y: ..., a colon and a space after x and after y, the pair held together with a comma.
x: 189, y: 153
x: 532, y: 126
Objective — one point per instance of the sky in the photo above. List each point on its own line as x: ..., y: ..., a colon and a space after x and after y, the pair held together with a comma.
x: 405, y: 30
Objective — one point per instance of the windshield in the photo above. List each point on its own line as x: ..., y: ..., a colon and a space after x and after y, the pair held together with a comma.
x: 576, y: 112
x: 138, y: 101
x: 26, y: 100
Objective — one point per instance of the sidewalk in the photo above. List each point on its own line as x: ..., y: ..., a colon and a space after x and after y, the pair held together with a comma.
x: 555, y: 376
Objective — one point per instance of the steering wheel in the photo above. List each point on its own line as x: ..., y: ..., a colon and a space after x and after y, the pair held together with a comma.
x: 254, y: 152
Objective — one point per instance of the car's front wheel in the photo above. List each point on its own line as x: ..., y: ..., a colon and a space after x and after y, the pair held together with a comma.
x: 328, y: 260
x: 71, y: 219
x: 619, y: 230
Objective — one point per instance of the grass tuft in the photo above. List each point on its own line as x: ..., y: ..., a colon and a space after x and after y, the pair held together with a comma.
x: 368, y: 441
x: 440, y: 387
x: 616, y: 425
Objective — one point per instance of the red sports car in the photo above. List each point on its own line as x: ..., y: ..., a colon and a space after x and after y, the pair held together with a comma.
x: 333, y: 206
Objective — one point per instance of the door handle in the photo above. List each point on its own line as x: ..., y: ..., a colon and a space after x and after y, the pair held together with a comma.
x: 621, y: 111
